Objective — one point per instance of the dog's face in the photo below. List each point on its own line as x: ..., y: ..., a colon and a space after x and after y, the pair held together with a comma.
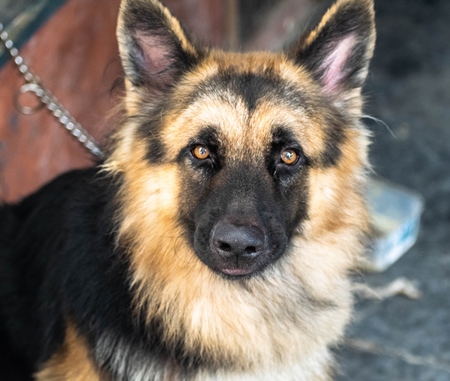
x: 251, y: 141
x: 245, y: 167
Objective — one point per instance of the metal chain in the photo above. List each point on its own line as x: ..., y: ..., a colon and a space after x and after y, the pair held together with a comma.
x: 46, y: 98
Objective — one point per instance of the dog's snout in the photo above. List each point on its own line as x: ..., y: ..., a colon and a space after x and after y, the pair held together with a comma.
x: 230, y: 240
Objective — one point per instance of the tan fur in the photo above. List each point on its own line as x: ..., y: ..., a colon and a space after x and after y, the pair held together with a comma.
x: 71, y: 363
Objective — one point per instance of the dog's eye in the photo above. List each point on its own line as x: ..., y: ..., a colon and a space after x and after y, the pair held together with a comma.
x: 289, y: 156
x: 200, y: 152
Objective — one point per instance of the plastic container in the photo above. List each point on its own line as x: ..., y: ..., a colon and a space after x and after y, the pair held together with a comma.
x: 395, y: 213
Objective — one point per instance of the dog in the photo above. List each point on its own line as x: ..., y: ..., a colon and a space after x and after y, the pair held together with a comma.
x: 215, y: 240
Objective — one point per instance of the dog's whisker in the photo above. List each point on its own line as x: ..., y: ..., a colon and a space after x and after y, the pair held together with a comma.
x: 379, y: 121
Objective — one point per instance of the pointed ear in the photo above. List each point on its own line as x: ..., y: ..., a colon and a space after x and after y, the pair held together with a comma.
x: 154, y: 48
x: 338, y: 51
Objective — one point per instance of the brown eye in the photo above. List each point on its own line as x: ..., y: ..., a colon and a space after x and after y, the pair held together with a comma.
x: 289, y: 157
x: 200, y: 152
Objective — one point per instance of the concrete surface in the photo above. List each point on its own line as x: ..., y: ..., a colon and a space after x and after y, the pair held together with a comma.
x: 409, y: 90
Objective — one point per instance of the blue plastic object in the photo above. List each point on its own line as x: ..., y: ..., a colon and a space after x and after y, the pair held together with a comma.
x: 395, y: 213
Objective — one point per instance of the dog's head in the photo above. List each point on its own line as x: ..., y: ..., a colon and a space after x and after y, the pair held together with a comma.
x: 264, y: 145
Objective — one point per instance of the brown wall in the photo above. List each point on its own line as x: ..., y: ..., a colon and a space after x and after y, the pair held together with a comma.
x: 75, y: 54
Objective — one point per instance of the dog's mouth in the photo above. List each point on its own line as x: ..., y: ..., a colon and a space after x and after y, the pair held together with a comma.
x: 237, y: 272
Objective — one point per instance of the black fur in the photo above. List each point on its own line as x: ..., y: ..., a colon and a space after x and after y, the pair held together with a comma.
x: 334, y: 137
x: 149, y: 130
x: 59, y: 262
x: 251, y: 88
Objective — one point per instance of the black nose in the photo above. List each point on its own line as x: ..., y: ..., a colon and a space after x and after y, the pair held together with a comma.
x: 230, y: 240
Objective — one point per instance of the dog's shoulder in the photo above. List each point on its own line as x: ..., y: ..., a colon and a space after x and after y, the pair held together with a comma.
x: 44, y: 238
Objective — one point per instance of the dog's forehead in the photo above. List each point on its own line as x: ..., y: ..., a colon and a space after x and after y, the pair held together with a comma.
x: 245, y: 98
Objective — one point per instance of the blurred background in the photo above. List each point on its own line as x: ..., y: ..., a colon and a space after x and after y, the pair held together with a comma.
x: 400, y: 336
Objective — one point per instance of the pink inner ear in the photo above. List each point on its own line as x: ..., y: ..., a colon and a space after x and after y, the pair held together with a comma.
x: 156, y: 53
x: 334, y: 65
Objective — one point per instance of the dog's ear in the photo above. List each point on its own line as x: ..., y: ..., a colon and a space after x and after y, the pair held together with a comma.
x: 154, y: 48
x: 337, y: 52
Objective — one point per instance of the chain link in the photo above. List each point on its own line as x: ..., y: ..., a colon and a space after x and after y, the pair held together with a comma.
x: 47, y: 99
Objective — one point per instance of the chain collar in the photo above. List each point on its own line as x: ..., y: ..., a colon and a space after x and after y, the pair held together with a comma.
x: 46, y: 98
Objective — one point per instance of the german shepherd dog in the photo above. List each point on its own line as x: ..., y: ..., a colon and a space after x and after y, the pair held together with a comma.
x: 215, y: 240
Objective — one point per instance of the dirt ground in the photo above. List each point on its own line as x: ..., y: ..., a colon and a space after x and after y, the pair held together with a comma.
x: 409, y: 90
